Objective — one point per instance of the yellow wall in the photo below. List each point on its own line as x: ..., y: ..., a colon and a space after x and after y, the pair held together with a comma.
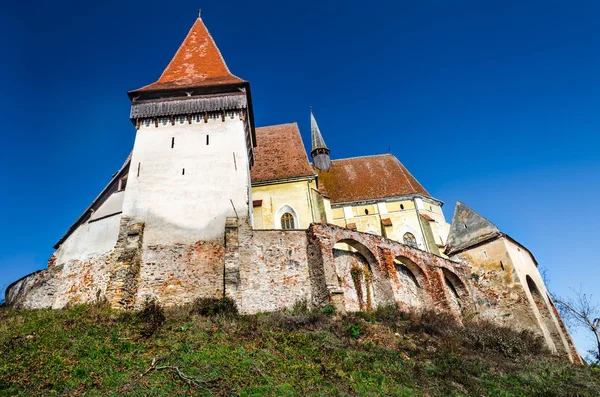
x: 404, y: 219
x: 367, y: 218
x: 294, y: 194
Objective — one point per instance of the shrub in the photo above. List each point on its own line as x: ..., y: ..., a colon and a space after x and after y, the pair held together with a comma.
x: 487, y: 337
x: 300, y: 307
x: 328, y: 310
x: 432, y: 323
x: 354, y: 331
x: 151, y: 317
x: 214, y: 306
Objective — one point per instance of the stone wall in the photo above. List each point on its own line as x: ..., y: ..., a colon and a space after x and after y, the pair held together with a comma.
x: 274, y: 270
x: 269, y: 270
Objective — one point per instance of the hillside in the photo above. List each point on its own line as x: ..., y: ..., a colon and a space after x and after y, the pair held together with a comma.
x: 93, y: 350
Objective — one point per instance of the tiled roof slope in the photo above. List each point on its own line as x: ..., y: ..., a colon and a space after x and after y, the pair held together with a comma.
x: 367, y: 178
x: 279, y: 154
x: 197, y: 63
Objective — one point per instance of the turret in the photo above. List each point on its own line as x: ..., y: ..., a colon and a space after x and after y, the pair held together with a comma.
x: 320, y: 151
x: 194, y: 147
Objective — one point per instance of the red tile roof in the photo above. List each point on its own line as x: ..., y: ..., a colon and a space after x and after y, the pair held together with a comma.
x: 197, y: 63
x: 367, y: 178
x: 279, y: 154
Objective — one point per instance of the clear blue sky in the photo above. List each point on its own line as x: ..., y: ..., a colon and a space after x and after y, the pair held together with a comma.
x: 495, y: 104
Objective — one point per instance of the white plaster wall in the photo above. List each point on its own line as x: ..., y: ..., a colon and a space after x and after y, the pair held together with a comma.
x: 192, y: 207
x: 525, y: 266
x: 90, y: 239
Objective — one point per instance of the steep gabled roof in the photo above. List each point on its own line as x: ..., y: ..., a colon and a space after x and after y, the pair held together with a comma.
x: 197, y: 63
x: 279, y: 154
x: 367, y: 178
x: 468, y: 229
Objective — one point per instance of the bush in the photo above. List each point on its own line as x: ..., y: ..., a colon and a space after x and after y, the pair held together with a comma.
x: 151, y: 317
x: 214, y: 306
x: 300, y: 307
x: 328, y: 310
x: 432, y: 323
x: 488, y: 337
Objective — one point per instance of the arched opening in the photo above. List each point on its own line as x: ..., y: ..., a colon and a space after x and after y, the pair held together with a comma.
x: 458, y: 291
x: 546, y: 316
x: 286, y: 218
x: 354, y: 273
x: 411, y: 280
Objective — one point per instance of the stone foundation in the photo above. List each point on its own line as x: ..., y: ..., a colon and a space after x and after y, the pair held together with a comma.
x: 269, y: 270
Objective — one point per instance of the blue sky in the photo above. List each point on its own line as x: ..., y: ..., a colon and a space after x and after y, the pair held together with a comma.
x: 491, y: 103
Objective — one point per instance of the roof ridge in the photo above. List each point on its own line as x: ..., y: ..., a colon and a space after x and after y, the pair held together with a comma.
x: 404, y: 169
x: 277, y: 125
x: 368, y: 155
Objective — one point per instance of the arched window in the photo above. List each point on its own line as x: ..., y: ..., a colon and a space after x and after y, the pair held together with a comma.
x: 409, y: 239
x: 287, y: 221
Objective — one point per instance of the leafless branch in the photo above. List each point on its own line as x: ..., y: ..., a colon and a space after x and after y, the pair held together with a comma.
x: 176, y: 371
x: 581, y: 310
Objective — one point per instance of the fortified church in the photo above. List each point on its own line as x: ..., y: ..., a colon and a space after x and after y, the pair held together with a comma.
x: 209, y: 205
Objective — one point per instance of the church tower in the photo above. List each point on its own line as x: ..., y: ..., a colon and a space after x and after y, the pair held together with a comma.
x: 194, y: 146
x: 320, y: 151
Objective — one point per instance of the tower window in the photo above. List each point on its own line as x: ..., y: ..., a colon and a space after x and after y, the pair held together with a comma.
x: 207, y: 139
x: 183, y: 171
x: 287, y: 221
x: 172, y: 142
x: 409, y: 239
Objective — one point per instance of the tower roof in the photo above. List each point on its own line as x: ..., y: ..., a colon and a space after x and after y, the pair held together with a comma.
x: 197, y: 63
x: 317, y: 139
x: 468, y: 229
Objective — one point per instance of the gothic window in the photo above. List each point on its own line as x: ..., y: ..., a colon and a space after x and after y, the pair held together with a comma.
x: 287, y: 221
x: 409, y: 239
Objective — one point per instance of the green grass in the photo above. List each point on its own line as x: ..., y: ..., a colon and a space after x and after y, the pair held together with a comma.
x: 93, y: 350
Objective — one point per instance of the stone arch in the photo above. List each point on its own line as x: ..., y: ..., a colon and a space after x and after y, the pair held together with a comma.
x: 410, y: 288
x: 549, y: 328
x: 282, y: 210
x: 354, y: 273
x: 458, y: 293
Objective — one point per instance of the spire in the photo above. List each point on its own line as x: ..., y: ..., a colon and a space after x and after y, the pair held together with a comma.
x: 197, y: 63
x: 468, y: 228
x: 320, y: 151
x: 317, y: 139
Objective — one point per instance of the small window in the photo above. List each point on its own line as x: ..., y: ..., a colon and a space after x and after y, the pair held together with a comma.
x: 366, y: 211
x: 485, y: 255
x: 401, y: 206
x: 287, y: 221
x: 409, y: 239
x: 207, y: 139
x: 183, y: 171
x: 172, y: 142
x: 465, y: 225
